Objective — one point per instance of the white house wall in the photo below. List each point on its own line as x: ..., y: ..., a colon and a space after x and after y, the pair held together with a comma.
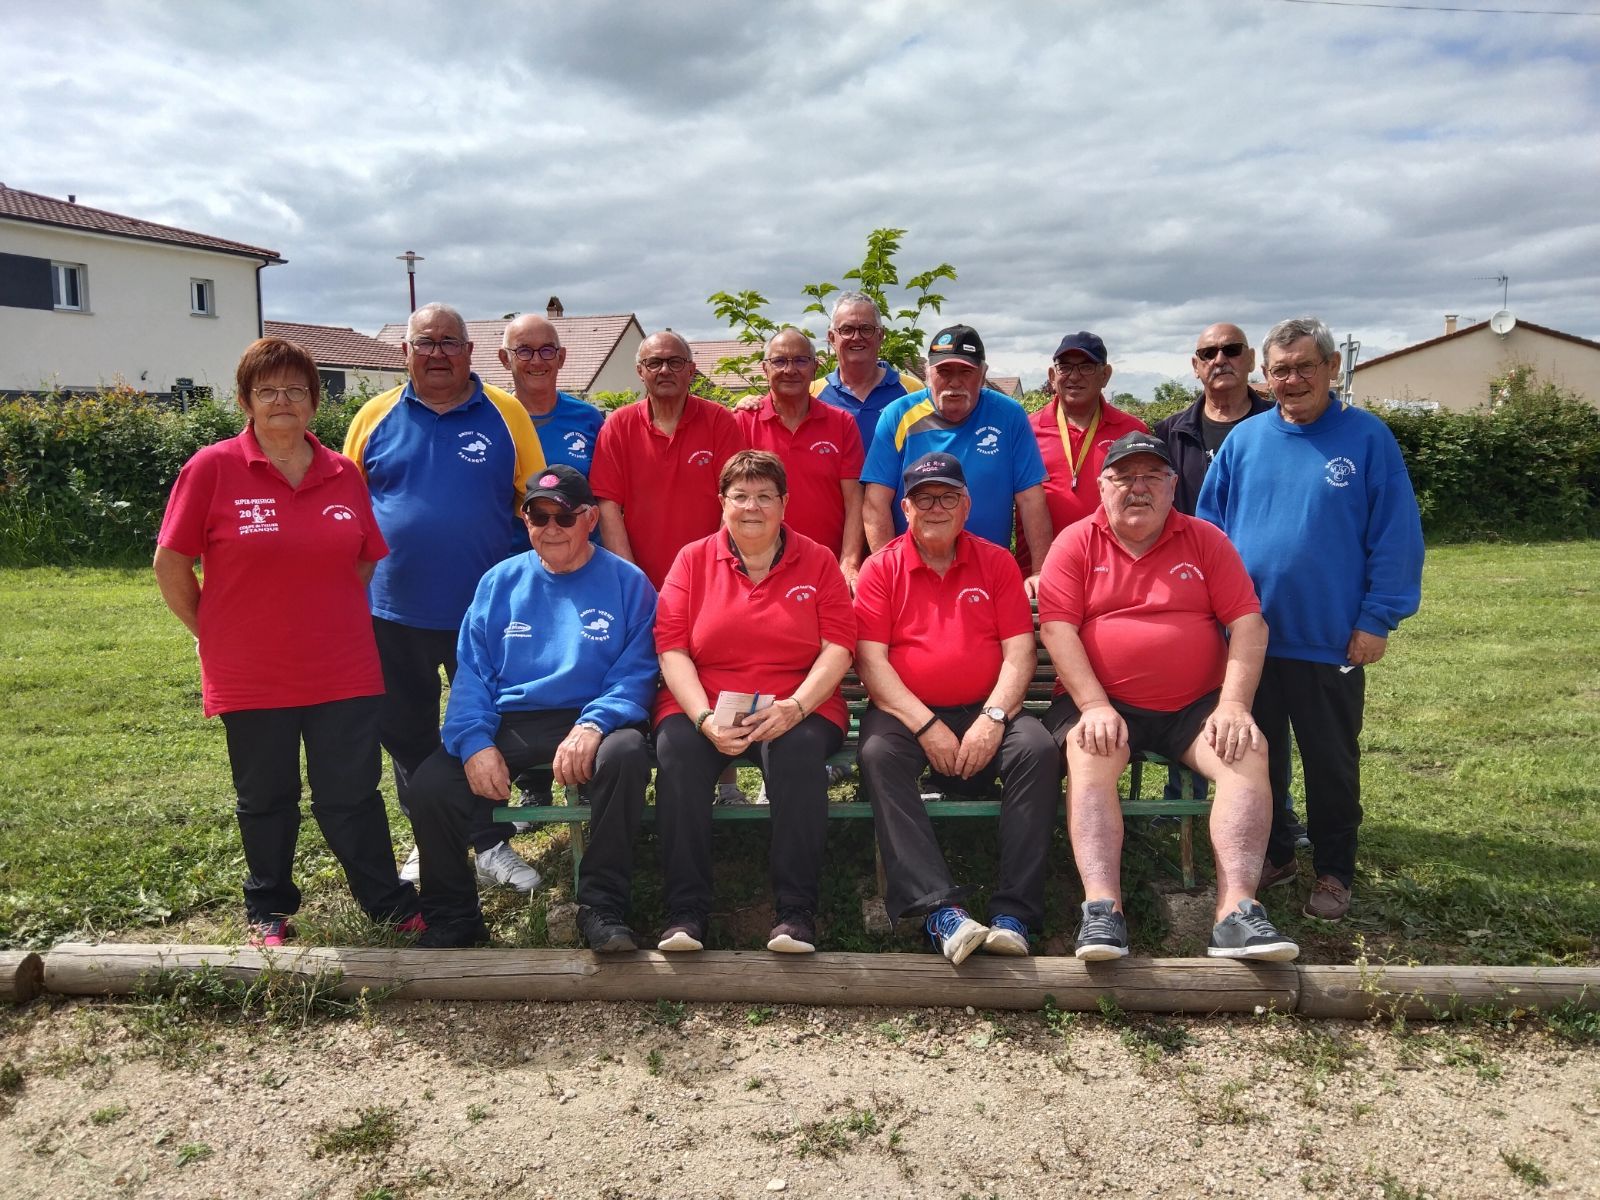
x: 137, y: 327
x: 1456, y: 373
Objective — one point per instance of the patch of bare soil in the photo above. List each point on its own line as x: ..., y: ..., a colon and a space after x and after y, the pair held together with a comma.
x: 629, y: 1100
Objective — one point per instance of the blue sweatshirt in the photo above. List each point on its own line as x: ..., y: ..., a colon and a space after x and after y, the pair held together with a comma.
x: 1327, y: 524
x: 532, y: 641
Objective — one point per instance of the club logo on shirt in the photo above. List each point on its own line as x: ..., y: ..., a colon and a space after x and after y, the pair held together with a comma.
x: 473, y: 447
x: 988, y: 440
x: 700, y: 458
x: 577, y: 444
x: 1339, y: 471
x: 518, y: 629
x: 971, y: 595
x: 824, y: 448
x: 596, y: 624
x: 801, y: 593
x: 259, y: 515
x: 339, y: 512
x: 1187, y: 570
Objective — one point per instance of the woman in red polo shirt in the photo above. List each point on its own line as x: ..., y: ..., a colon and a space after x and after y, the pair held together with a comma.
x: 754, y: 608
x: 284, y: 532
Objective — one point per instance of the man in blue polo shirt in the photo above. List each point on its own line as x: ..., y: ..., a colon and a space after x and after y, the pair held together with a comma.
x: 447, y: 465
x: 988, y: 433
x: 567, y: 426
x: 862, y: 384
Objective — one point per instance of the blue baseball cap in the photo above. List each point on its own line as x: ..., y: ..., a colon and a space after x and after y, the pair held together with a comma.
x: 1085, y: 343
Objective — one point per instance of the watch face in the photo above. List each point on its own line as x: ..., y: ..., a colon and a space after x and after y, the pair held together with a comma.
x: 995, y: 714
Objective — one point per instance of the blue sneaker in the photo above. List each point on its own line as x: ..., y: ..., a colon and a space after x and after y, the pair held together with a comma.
x: 1103, y: 934
x: 954, y: 933
x: 1008, y: 936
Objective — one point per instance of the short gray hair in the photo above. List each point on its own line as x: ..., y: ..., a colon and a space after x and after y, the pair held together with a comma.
x: 766, y: 349
x: 422, y: 315
x: 845, y: 298
x: 1286, y: 332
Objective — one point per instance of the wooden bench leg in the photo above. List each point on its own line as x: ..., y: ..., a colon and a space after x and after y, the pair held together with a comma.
x: 1186, y: 849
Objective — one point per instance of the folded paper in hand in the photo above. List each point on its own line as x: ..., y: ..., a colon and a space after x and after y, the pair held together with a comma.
x: 734, y: 708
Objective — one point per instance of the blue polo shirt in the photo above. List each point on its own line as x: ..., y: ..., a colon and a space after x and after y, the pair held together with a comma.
x: 995, y: 446
x: 445, y: 489
x: 831, y: 390
x: 568, y: 431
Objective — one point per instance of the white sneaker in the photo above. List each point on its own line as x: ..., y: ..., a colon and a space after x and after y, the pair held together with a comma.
x: 412, y: 871
x: 501, y: 865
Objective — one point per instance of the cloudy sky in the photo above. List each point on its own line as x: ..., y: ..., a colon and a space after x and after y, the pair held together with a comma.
x: 1139, y: 169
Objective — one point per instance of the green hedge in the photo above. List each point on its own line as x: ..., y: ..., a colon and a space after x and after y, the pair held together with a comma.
x: 85, y: 479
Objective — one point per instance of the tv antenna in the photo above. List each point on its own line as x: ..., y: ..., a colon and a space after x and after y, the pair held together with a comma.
x: 1505, y: 285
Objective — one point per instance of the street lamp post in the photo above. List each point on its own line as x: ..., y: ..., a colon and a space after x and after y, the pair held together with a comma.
x: 411, y: 258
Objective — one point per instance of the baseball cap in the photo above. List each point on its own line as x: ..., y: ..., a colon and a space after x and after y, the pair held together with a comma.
x: 957, y: 341
x: 1085, y: 343
x: 937, y: 467
x: 1130, y: 444
x: 561, y: 483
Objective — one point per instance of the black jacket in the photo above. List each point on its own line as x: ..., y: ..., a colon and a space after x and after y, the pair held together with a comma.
x: 1181, y: 433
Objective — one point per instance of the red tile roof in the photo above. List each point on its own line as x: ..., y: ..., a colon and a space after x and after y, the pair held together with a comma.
x: 1010, y: 385
x: 338, y: 346
x: 708, y: 354
x: 589, y: 341
x: 1470, y: 329
x: 47, y: 210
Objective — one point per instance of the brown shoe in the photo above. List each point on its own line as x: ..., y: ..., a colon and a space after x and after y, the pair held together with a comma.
x: 1329, y: 899
x: 1272, y: 876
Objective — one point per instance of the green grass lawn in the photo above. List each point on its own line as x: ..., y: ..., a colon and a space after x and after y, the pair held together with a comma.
x: 1481, y: 776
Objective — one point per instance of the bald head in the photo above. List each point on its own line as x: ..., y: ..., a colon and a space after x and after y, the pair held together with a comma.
x: 531, y: 350
x: 1222, y: 363
x: 666, y: 368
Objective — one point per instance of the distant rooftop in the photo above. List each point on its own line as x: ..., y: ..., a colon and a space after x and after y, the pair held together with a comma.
x: 66, y: 214
x: 589, y: 342
x: 339, y: 346
x: 708, y: 354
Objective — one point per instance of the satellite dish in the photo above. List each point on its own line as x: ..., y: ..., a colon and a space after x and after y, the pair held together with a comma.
x: 1503, y: 322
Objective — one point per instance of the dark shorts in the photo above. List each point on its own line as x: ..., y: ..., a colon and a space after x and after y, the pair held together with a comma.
x: 1169, y: 734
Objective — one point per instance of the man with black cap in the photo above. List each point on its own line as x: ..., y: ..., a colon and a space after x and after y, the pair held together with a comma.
x: 556, y: 664
x: 1074, y: 431
x: 983, y: 429
x: 945, y: 648
x: 1132, y: 605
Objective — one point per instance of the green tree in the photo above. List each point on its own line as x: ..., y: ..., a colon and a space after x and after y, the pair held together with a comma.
x: 903, y: 336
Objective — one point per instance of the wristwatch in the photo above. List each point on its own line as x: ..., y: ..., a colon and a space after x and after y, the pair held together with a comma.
x: 996, y: 714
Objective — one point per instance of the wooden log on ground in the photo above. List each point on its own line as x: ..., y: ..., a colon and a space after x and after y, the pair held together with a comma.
x: 1199, y: 986
x: 21, y: 976
x: 1433, y: 992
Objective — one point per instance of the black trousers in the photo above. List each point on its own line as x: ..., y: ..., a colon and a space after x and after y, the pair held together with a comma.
x: 343, y: 766
x: 1323, y: 705
x: 445, y: 810
x: 797, y: 788
x: 1028, y: 766
x: 408, y: 726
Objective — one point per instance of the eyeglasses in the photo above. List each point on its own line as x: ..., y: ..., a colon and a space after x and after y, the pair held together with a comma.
x: 1073, y: 369
x: 566, y: 520
x: 427, y: 347
x: 783, y: 364
x: 925, y: 501
x: 1284, y: 372
x: 1207, y: 353
x: 1125, y: 482
x: 295, y: 395
x: 527, y: 353
x: 745, y: 499
x: 676, y: 363
x: 852, y: 332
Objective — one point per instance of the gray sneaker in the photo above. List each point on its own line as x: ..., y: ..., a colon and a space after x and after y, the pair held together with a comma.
x: 1246, y: 933
x: 730, y: 795
x: 411, y: 872
x: 1103, y: 934
x: 502, y: 866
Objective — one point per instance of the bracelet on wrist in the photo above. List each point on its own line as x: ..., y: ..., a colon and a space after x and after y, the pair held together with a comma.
x: 927, y: 725
x: 700, y: 721
x: 799, y: 704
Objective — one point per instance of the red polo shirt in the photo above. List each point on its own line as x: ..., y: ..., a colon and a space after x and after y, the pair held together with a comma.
x: 1152, y: 625
x: 667, y: 486
x: 943, y: 634
x: 1069, y: 505
x: 761, y: 637
x: 817, y: 457
x: 284, y: 621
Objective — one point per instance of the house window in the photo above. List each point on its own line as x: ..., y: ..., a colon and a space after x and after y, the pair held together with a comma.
x: 68, y: 286
x: 202, y: 298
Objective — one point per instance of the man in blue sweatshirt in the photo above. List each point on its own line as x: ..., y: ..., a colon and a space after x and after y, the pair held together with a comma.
x: 1317, y: 499
x: 555, y: 664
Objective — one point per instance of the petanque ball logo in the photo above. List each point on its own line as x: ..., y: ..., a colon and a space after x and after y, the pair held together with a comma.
x: 1187, y: 570
x: 339, y: 512
x: 824, y: 448
x: 988, y: 440
x: 577, y: 444
x: 473, y: 447
x: 972, y: 595
x: 700, y: 458
x: 801, y: 594
x: 596, y: 624
x: 1339, y: 471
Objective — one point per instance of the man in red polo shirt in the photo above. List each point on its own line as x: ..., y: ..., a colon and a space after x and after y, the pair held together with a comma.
x: 1132, y: 607
x: 1074, y: 431
x: 945, y: 648
x: 657, y: 460
x: 819, y: 445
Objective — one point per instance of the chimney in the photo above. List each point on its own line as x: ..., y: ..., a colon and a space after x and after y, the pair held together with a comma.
x: 554, y: 309
x: 71, y: 199
x: 1449, y: 324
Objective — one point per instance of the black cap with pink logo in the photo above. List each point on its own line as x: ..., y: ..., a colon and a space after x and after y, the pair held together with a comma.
x: 561, y: 483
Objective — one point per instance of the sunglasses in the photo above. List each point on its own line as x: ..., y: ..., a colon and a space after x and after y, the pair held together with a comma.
x: 1231, y: 349
x: 540, y: 519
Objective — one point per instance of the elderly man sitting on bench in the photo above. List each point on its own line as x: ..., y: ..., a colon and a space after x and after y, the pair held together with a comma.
x: 1133, y: 601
